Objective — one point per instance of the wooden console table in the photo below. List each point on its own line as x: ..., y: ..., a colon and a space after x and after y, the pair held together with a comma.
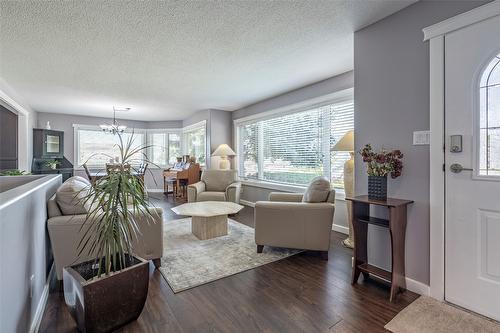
x: 397, y: 227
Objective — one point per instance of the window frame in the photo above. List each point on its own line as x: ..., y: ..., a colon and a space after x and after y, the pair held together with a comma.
x: 476, y: 99
x: 191, y: 128
x: 167, y: 132
x: 338, y: 97
x: 146, y: 132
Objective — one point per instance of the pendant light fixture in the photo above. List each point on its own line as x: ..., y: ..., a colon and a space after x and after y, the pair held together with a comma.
x: 114, y: 128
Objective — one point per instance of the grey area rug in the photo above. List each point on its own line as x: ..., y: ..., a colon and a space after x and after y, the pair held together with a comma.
x: 189, y: 262
x: 427, y: 315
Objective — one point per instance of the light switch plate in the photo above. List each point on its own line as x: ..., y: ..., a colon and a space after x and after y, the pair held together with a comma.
x: 421, y: 138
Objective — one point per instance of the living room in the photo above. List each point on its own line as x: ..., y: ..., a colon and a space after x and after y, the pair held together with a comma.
x: 249, y: 166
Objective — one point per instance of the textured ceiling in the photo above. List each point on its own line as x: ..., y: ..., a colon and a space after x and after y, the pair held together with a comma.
x: 169, y: 59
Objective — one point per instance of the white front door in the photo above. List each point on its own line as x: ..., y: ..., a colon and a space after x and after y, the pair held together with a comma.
x: 472, y: 141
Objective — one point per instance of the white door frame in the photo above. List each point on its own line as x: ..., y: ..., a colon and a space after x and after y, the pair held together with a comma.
x: 23, y: 143
x: 436, y: 36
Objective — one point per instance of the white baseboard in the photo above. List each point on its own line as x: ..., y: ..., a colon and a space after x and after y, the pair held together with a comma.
x: 40, y: 309
x: 417, y: 287
x: 247, y: 203
x: 340, y: 228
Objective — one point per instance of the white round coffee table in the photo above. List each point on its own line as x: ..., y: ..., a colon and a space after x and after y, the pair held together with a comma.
x: 208, y: 218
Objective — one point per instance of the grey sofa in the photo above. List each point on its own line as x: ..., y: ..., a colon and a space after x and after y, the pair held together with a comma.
x: 216, y: 185
x: 286, y: 221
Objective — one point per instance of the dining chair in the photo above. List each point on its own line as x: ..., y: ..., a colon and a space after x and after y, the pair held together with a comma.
x: 141, y: 171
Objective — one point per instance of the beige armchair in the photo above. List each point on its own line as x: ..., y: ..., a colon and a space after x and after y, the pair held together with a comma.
x: 65, y: 232
x: 286, y: 221
x: 216, y: 185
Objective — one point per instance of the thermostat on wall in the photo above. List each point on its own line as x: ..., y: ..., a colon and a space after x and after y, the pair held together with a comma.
x: 421, y: 138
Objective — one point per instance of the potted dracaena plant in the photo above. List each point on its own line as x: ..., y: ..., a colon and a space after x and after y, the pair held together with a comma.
x: 109, y: 291
x: 379, y: 165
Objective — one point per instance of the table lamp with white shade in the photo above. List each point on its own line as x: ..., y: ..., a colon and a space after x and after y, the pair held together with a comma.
x: 223, y: 151
x: 347, y: 144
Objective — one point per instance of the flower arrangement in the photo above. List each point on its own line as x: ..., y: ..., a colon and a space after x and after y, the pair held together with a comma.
x: 383, y: 162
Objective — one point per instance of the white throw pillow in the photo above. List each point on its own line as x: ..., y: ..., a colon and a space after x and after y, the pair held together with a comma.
x: 80, y: 179
x: 317, y: 191
x: 69, y: 196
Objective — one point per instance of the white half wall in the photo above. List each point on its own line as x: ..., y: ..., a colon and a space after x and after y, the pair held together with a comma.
x: 25, y: 251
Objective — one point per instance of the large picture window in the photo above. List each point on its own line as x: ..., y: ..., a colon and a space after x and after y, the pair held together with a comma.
x: 96, y: 148
x: 294, y: 148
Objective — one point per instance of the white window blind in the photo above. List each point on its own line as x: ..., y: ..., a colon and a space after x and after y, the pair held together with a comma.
x: 294, y: 148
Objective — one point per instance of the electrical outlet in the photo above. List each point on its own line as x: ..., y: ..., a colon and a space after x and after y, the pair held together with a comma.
x: 421, y: 138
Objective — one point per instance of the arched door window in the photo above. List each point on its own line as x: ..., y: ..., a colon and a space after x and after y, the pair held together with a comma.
x: 489, y: 119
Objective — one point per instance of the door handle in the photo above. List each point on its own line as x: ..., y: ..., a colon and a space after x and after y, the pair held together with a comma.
x: 457, y: 168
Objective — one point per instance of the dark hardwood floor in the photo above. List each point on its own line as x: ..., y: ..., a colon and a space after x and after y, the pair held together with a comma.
x: 302, y: 293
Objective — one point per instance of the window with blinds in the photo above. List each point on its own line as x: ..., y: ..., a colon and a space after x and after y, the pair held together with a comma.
x: 294, y: 148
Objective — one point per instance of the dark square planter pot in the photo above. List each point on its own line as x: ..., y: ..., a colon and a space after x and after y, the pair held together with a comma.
x: 106, y: 303
x: 377, y: 187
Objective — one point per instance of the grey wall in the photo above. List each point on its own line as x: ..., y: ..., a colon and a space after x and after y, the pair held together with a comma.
x: 24, y: 249
x: 221, y: 131
x: 321, y: 88
x: 391, y: 94
x: 197, y: 117
x: 221, y: 128
x: 164, y: 124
